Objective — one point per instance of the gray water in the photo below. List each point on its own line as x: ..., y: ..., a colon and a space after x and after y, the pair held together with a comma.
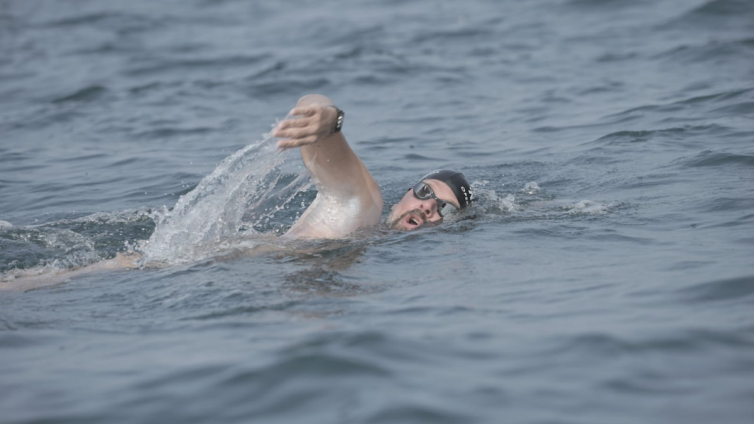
x: 605, y: 275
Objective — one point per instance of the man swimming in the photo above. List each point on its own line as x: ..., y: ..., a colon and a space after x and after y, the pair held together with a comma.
x: 348, y: 198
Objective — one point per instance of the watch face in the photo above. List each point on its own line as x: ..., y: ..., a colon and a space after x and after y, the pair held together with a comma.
x: 339, y: 121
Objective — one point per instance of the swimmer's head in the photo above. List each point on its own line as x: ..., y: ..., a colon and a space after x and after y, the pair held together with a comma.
x: 438, y: 195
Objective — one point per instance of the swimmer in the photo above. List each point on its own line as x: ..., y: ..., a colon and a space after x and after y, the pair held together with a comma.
x: 348, y: 198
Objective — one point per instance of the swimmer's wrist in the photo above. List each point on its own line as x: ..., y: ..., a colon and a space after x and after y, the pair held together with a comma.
x: 339, y: 115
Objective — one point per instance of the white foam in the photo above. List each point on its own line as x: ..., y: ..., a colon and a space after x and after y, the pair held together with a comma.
x: 531, y: 188
x: 505, y: 203
x: 586, y: 207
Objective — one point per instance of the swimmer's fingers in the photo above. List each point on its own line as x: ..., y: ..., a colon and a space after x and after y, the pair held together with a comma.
x: 322, y: 117
x: 284, y: 128
x: 293, y: 123
x: 294, y: 133
x: 305, y: 110
x: 301, y: 117
x: 291, y: 143
x: 309, y: 124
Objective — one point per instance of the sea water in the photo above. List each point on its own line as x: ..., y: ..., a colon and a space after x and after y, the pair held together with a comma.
x: 604, y: 275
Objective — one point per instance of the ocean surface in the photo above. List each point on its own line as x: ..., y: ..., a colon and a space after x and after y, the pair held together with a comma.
x: 606, y: 274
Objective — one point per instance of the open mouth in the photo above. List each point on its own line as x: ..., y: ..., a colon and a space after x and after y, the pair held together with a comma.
x: 412, y: 220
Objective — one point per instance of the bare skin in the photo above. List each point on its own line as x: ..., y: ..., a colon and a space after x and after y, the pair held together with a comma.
x: 348, y: 198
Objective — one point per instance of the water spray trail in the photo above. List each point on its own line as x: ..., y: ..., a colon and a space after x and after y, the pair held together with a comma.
x: 217, y: 214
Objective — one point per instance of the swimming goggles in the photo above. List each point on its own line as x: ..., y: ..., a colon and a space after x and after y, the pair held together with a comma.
x: 423, y: 191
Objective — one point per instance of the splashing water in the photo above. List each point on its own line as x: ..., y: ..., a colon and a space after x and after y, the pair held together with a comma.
x: 231, y: 208
x: 492, y: 201
x: 226, y: 207
x: 70, y: 243
x: 531, y: 188
x: 586, y: 207
x: 531, y: 203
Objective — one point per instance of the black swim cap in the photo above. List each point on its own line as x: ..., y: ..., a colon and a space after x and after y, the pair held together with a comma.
x: 456, y: 181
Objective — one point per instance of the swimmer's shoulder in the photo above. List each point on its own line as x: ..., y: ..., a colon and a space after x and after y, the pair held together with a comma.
x: 332, y: 216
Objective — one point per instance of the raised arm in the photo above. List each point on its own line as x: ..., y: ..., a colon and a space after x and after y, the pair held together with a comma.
x: 332, y: 163
x: 336, y: 170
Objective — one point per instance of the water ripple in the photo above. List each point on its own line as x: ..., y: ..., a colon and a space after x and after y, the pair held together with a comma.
x: 83, y: 95
x: 710, y: 158
x: 733, y: 289
x: 197, y: 64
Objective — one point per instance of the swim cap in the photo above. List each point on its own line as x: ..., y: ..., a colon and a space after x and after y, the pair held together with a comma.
x: 456, y: 181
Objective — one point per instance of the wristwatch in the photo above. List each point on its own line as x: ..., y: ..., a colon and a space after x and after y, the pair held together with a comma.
x: 338, y: 120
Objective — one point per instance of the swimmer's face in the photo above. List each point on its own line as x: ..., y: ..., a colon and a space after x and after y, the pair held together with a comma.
x: 410, y: 212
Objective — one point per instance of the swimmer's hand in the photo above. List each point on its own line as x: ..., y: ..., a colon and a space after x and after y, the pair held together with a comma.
x: 307, y: 125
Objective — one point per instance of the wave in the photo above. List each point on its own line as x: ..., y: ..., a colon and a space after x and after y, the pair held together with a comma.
x: 738, y: 109
x: 732, y: 289
x: 199, y: 64
x: 608, y: 5
x: 108, y: 19
x: 735, y: 222
x: 720, y: 52
x: 291, y: 85
x: 724, y: 8
x: 460, y: 34
x: 168, y: 132
x: 710, y: 158
x: 612, y: 346
x: 717, y: 97
x: 687, y: 136
x: 692, y: 108
x: 726, y: 204
x: 85, y: 94
x: 720, y: 15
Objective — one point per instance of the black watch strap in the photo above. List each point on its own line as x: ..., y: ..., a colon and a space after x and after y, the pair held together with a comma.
x: 338, y: 121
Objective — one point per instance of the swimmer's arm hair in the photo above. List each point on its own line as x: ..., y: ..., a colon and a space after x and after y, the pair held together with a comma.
x: 327, y: 155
